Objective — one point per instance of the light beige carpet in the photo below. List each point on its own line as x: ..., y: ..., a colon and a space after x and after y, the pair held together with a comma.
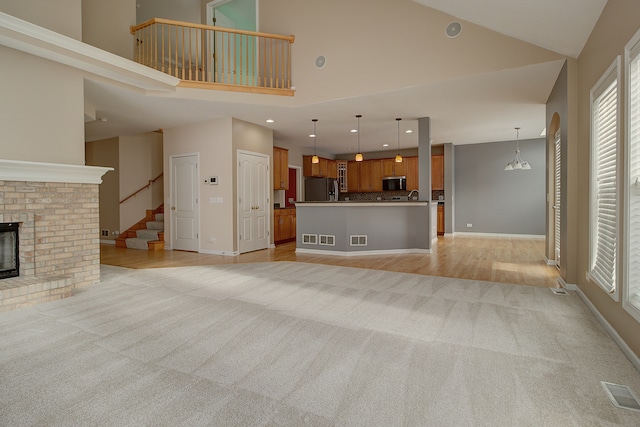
x: 302, y: 344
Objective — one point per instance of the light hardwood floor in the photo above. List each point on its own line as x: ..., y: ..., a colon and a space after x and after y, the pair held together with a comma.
x: 506, y: 260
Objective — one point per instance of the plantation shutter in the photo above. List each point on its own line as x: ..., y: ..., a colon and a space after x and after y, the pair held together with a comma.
x: 633, y: 254
x: 604, y: 207
x: 556, y: 205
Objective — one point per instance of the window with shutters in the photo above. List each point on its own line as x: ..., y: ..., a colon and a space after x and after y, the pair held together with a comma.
x: 631, y: 294
x: 604, y: 172
x: 557, y: 196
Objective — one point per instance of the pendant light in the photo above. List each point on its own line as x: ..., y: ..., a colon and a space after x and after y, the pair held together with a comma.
x: 315, y: 158
x: 359, y: 156
x: 398, y: 156
x: 517, y: 163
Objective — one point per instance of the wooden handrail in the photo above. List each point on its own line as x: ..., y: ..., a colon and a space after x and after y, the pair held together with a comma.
x: 152, y: 21
x: 149, y: 184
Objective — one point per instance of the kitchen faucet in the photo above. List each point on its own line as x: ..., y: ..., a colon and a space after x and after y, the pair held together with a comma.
x: 411, y: 193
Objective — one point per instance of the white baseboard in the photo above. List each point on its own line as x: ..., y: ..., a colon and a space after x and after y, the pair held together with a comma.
x: 549, y: 261
x: 360, y: 253
x: 633, y: 358
x: 225, y: 253
x: 500, y: 235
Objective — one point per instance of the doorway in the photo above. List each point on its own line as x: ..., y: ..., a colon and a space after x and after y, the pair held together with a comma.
x: 253, y: 201
x: 184, y: 211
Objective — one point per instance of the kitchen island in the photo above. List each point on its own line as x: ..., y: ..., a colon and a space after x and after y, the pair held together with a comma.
x: 365, y: 228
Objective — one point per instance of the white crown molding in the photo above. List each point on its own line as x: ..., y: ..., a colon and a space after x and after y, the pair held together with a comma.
x: 17, y: 170
x: 30, y: 38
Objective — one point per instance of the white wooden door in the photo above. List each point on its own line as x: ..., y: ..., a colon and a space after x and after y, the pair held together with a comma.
x: 184, y: 203
x: 253, y: 201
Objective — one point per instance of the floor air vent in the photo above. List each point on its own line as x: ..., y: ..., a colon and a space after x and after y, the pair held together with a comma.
x: 358, y: 240
x: 310, y: 239
x: 327, y: 240
x: 621, y: 396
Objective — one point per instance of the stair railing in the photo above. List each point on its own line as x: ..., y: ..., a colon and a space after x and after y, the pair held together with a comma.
x: 202, y: 54
x: 149, y: 184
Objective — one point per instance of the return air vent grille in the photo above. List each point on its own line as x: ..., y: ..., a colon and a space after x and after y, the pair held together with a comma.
x: 327, y: 240
x: 310, y: 239
x: 358, y: 240
x: 621, y: 396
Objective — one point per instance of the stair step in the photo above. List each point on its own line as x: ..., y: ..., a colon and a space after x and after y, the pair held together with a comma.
x: 136, y: 243
x: 147, y: 234
x: 159, y: 217
x: 155, y: 225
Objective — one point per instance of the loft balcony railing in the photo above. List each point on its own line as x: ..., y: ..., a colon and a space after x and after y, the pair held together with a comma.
x: 216, y: 57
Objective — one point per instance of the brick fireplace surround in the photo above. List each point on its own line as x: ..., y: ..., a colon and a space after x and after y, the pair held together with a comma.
x: 56, y: 207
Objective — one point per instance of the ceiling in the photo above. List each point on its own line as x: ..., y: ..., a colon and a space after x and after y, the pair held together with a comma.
x: 476, y: 109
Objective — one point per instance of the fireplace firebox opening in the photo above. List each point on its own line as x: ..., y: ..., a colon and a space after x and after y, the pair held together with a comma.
x: 9, y: 255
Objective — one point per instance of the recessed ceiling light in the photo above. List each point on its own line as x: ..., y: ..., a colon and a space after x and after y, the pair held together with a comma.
x: 102, y: 119
x: 270, y: 120
x: 385, y: 145
x: 354, y: 130
x: 311, y: 135
x: 408, y: 131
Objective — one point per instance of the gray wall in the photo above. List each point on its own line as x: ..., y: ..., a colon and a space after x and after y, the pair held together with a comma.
x: 497, y: 201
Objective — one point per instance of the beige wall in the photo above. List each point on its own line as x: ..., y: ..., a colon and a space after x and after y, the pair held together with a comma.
x: 42, y: 109
x: 212, y: 141
x: 106, y: 153
x: 105, y: 24
x: 61, y: 16
x: 377, y: 53
x: 617, y: 24
x: 140, y: 160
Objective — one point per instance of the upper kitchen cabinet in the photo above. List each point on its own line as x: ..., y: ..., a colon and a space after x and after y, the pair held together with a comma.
x: 371, y: 175
x: 437, y: 172
x: 411, y: 172
x: 392, y: 168
x: 325, y: 168
x: 280, y: 168
x: 353, y: 176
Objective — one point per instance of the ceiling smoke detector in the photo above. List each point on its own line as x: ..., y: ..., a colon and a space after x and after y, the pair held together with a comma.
x: 321, y: 61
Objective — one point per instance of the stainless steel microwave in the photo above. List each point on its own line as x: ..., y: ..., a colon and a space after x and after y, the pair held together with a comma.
x: 394, y: 183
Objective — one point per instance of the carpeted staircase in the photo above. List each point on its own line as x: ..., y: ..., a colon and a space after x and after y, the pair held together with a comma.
x: 146, y: 234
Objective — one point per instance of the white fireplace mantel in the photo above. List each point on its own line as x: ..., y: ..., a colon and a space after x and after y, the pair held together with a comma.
x: 17, y: 170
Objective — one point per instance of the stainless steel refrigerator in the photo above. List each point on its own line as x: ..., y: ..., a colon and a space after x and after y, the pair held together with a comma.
x: 320, y: 189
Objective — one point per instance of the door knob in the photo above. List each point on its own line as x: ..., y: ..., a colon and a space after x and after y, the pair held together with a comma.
x: 173, y: 208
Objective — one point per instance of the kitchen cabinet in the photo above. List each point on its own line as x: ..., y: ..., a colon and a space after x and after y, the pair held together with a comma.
x: 440, y: 220
x: 411, y: 172
x: 437, y: 172
x: 325, y: 168
x: 371, y: 176
x: 353, y: 176
x: 280, y: 168
x: 392, y: 168
x: 284, y: 225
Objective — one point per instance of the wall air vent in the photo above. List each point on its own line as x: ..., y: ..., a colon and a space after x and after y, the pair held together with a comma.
x: 327, y: 240
x: 358, y: 240
x: 310, y: 239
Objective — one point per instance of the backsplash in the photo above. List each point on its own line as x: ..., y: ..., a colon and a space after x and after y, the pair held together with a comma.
x: 381, y: 195
x: 385, y: 195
